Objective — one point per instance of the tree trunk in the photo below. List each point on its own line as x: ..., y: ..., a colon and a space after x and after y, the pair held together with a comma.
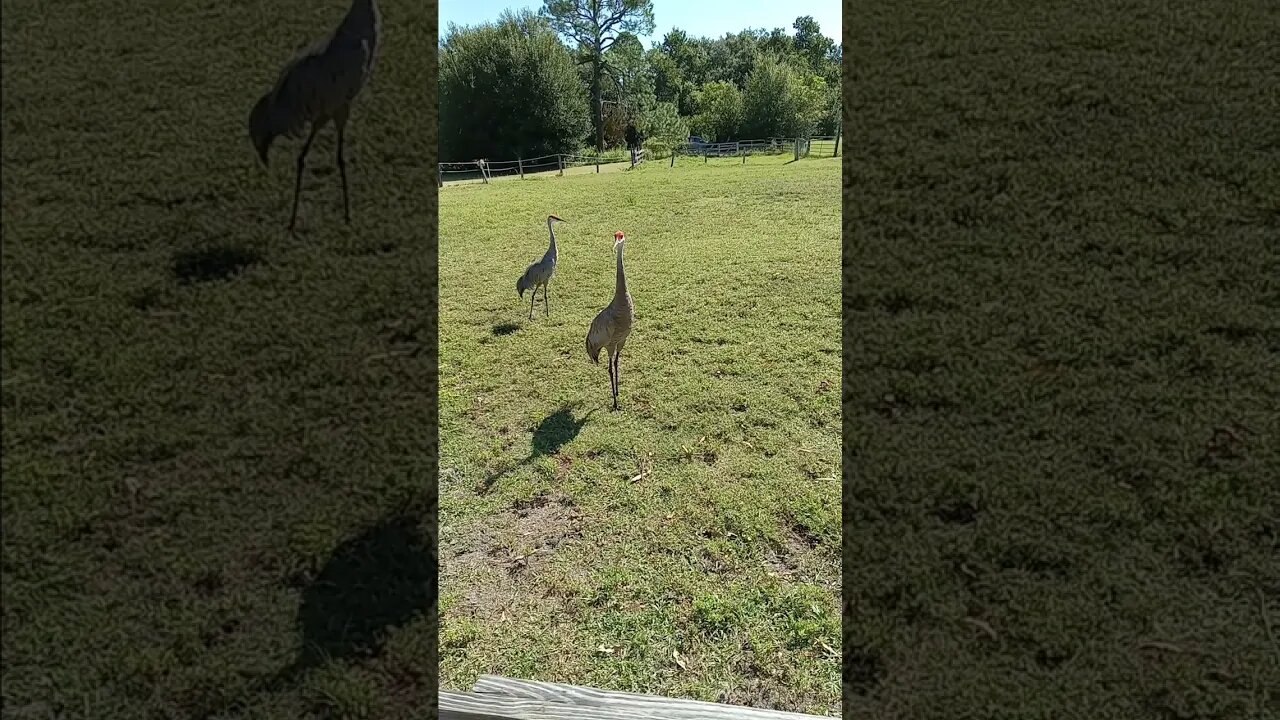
x: 597, y: 103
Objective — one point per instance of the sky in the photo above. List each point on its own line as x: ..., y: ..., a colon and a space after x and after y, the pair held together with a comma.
x: 712, y: 18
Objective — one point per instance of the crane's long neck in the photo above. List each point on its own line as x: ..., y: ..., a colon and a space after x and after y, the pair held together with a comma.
x: 620, y: 288
x: 362, y: 17
x: 551, y: 251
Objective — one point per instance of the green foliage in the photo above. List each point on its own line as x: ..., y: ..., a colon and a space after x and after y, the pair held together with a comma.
x: 719, y: 111
x: 797, y: 92
x: 664, y: 128
x: 509, y: 89
x: 733, y: 57
x: 595, y: 27
x: 781, y: 102
x: 811, y: 44
x: 669, y: 84
x: 589, y: 22
x: 631, y: 75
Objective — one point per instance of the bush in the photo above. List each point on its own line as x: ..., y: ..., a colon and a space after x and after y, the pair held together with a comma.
x: 719, y: 115
x: 663, y: 128
x: 509, y: 89
x: 781, y: 102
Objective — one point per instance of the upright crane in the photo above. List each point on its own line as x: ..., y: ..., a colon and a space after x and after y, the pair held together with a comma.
x: 539, y: 274
x: 317, y: 87
x: 612, y: 326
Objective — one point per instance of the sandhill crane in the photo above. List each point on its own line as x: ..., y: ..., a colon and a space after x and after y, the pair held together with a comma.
x: 539, y: 274
x: 612, y: 326
x: 317, y: 87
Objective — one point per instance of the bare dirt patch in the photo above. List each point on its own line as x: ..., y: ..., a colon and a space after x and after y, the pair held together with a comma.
x: 791, y: 556
x: 503, y: 555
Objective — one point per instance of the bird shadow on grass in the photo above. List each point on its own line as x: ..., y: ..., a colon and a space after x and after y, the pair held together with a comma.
x: 505, y: 328
x: 216, y: 262
x: 554, y: 432
x: 381, y: 579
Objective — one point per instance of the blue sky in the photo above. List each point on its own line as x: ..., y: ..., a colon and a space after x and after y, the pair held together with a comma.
x: 712, y: 18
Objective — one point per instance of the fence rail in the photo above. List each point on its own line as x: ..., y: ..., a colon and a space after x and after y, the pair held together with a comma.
x: 500, y: 698
x: 486, y: 170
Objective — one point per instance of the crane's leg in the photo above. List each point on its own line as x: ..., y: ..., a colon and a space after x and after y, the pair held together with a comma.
x: 617, y: 367
x: 532, y: 299
x: 546, y: 303
x: 342, y: 170
x: 613, y: 384
x: 297, y: 183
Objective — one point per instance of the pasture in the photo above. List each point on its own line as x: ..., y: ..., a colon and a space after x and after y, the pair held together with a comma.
x: 686, y: 545
x: 217, y: 459
x: 1062, y: 308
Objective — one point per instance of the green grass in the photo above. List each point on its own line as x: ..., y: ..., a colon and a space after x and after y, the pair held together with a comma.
x: 209, y: 471
x: 686, y: 545
x: 1062, y: 327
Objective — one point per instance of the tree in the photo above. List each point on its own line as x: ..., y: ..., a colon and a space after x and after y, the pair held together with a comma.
x: 594, y: 25
x: 779, y: 101
x: 509, y: 89
x: 811, y: 44
x: 733, y: 57
x: 719, y: 115
x: 691, y: 56
x: 663, y: 128
x: 632, y: 77
x: 669, y: 84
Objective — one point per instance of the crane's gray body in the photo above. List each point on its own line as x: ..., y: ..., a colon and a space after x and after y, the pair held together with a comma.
x: 611, y: 327
x: 538, y: 275
x: 318, y: 86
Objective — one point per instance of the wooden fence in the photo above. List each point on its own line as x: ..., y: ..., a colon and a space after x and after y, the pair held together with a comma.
x: 499, y: 698
x: 486, y: 170
x: 800, y: 147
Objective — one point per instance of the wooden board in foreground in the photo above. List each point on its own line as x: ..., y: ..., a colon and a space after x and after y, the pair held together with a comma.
x: 499, y: 698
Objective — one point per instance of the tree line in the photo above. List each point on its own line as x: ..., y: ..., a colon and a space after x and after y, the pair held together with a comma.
x: 575, y: 74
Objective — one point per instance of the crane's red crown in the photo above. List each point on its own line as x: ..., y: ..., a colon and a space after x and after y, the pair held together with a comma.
x: 618, y: 235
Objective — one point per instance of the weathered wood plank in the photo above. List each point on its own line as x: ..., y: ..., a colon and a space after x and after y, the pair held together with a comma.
x: 631, y: 702
x: 492, y: 706
x: 473, y: 706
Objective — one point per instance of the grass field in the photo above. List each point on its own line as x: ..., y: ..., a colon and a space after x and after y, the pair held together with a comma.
x: 1062, y: 328
x: 212, y: 478
x: 688, y: 544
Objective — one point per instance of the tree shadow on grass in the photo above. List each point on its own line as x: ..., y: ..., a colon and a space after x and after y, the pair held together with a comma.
x: 554, y: 432
x: 505, y: 328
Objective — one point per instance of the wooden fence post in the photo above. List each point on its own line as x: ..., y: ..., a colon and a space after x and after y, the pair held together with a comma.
x: 520, y: 163
x: 836, y: 149
x: 597, y: 164
x: 560, y: 162
x: 673, y: 156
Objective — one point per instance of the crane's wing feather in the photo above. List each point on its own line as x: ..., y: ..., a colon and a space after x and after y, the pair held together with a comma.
x: 598, y: 335
x: 293, y: 99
